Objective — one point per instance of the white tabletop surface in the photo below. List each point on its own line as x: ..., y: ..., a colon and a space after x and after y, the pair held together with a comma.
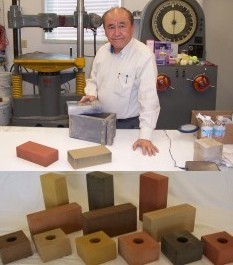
x: 210, y: 193
x: 175, y: 149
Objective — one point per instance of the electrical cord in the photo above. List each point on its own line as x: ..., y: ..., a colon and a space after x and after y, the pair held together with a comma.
x: 170, y: 152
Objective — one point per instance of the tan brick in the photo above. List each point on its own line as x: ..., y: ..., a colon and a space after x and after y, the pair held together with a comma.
x: 52, y: 245
x: 89, y: 156
x: 54, y: 189
x: 172, y: 219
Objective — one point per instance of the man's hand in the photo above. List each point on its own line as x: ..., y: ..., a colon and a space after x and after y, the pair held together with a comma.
x: 87, y: 98
x: 146, y: 146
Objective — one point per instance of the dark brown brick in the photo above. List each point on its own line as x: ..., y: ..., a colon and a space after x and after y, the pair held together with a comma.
x: 114, y: 220
x: 14, y: 246
x: 100, y: 190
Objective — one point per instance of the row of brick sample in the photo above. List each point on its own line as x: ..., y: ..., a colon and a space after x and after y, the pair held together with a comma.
x: 78, y: 158
x: 172, y: 226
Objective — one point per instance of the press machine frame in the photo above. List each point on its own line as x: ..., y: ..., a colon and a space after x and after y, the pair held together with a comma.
x: 48, y: 108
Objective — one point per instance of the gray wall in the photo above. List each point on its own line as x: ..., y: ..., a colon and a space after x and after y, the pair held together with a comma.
x: 219, y: 40
x: 219, y: 43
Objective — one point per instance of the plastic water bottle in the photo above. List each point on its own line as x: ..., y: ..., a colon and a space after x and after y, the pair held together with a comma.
x: 207, y: 127
x: 219, y: 127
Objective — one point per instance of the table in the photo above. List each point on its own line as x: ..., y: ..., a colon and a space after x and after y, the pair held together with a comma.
x: 123, y: 157
x: 211, y: 194
x: 175, y: 148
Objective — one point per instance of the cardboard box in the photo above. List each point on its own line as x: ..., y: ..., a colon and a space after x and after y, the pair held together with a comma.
x: 228, y: 138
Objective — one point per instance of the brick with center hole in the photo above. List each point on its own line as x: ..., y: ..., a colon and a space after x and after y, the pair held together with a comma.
x: 181, y: 247
x: 53, y: 244
x: 67, y: 217
x: 138, y: 248
x: 153, y: 192
x: 113, y: 220
x: 96, y: 248
x: 14, y: 246
x: 218, y: 247
x: 37, y: 153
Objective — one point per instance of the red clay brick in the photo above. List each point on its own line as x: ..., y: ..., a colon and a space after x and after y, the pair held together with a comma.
x: 152, y: 192
x: 37, y: 153
x: 138, y: 248
x: 67, y: 217
x: 218, y: 247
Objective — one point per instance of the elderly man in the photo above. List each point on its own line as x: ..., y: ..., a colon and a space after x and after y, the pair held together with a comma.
x: 123, y: 78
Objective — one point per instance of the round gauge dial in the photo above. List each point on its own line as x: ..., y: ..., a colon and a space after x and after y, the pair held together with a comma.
x: 175, y: 21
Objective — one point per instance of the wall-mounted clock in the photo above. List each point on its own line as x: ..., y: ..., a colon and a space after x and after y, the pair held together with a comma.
x: 174, y: 21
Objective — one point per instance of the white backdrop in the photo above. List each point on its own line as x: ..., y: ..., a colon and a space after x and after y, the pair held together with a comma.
x: 210, y: 192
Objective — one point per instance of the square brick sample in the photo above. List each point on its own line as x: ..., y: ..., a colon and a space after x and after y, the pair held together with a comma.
x: 96, y: 248
x: 218, y: 247
x: 100, y: 190
x: 89, y: 156
x: 67, y: 217
x: 53, y: 244
x: 114, y: 220
x: 14, y: 246
x: 37, y: 153
x: 182, y: 247
x: 153, y: 190
x: 168, y: 220
x: 54, y: 189
x: 138, y: 248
